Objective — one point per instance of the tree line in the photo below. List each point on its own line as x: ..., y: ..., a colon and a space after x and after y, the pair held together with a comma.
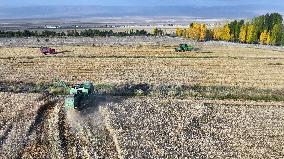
x: 71, y: 33
x: 266, y: 29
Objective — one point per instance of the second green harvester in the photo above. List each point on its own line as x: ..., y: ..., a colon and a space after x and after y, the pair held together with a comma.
x: 184, y: 47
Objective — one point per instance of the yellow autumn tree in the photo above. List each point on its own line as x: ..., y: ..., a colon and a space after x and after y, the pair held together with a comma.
x: 217, y: 32
x: 194, y: 31
x: 226, y: 33
x: 179, y: 32
x: 243, y: 34
x: 203, y: 31
x: 263, y: 37
x: 251, y: 34
x: 190, y: 33
x: 186, y: 33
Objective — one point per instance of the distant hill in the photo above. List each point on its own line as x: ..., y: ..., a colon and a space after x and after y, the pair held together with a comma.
x: 118, y: 11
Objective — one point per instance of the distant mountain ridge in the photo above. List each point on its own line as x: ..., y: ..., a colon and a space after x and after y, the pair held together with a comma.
x: 118, y: 11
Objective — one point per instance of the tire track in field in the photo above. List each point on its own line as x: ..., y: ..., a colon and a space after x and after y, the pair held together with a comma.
x: 35, y: 145
x: 91, y: 138
x: 49, y: 131
x: 18, y: 113
x: 62, y: 132
x: 52, y: 132
x: 5, y: 134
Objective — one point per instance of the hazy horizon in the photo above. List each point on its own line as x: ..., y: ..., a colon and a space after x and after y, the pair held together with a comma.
x: 18, y: 9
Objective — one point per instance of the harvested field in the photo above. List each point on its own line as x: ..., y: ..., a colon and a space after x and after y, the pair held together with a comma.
x: 172, y: 128
x: 209, y: 66
x: 219, y: 101
x: 33, y: 126
x: 147, y: 127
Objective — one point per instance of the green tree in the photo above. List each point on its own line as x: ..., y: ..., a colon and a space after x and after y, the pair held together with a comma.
x: 282, y: 39
x: 62, y: 34
x: 259, y: 25
x: 233, y: 26
x: 268, y: 40
x: 70, y: 32
x: 276, y: 18
x: 158, y: 32
x: 76, y: 33
x: 237, y: 31
x: 271, y: 20
x: 242, y: 22
x: 209, y: 35
x: 155, y: 31
x: 276, y: 34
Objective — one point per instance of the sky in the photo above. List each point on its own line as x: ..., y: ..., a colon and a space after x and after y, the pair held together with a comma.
x: 92, y: 8
x: 199, y: 3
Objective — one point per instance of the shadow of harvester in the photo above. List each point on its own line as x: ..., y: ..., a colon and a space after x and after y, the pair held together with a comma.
x: 111, y: 94
x: 57, y: 53
x: 62, y: 52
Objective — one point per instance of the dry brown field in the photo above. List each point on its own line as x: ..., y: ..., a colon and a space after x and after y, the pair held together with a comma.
x: 220, y: 102
x: 211, y: 65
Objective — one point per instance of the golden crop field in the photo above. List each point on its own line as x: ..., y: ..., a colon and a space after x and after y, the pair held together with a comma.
x: 151, y: 102
x: 210, y: 66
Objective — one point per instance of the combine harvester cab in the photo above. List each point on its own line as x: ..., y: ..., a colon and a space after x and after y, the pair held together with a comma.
x: 77, y: 93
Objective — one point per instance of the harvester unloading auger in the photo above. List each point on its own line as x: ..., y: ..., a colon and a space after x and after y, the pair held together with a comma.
x: 77, y: 93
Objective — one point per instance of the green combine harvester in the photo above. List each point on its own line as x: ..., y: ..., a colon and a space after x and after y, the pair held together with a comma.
x: 184, y: 47
x: 77, y: 93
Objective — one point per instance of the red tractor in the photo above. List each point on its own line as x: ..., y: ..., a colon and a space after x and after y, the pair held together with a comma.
x: 47, y: 50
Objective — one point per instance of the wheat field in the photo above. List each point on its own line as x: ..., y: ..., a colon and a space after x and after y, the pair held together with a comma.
x: 214, y: 102
x: 210, y: 66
